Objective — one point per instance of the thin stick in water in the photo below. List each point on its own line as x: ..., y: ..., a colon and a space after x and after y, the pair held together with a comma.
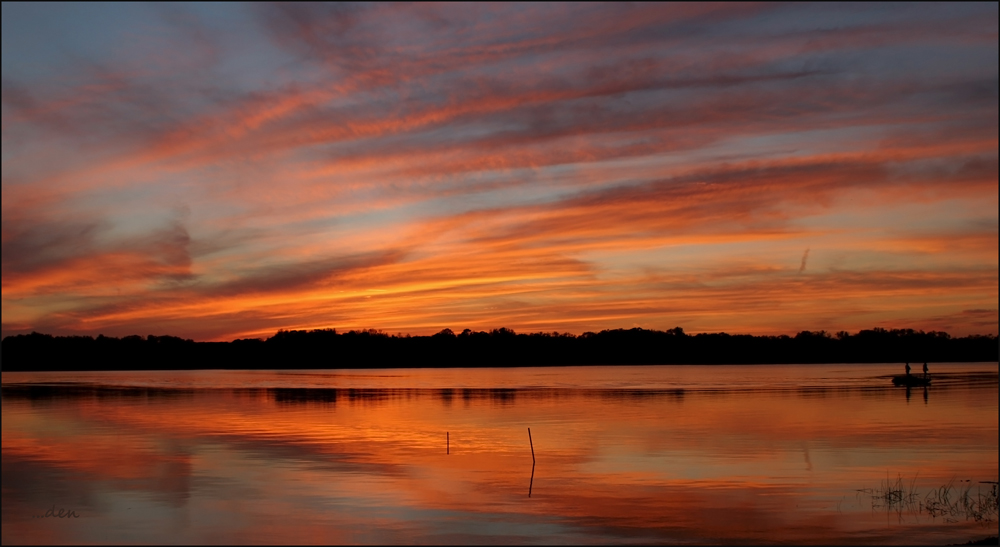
x: 532, y: 445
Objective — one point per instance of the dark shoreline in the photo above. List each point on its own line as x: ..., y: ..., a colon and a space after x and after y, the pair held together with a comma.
x: 992, y: 540
x: 370, y: 349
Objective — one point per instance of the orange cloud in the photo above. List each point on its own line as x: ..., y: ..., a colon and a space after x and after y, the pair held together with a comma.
x: 408, y: 168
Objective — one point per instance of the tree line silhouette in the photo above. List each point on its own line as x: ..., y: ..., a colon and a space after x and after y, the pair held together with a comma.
x: 326, y: 348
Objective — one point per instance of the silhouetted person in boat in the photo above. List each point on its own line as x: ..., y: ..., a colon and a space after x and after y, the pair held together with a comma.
x: 925, y: 370
x: 907, y: 369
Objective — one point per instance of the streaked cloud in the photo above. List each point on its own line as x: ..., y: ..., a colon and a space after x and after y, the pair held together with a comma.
x: 220, y: 171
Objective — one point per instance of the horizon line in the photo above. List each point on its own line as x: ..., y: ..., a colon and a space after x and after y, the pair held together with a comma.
x: 682, y: 331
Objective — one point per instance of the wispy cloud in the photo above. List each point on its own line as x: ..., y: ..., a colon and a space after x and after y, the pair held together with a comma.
x: 220, y: 171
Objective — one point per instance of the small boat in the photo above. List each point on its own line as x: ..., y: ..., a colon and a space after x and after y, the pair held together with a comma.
x: 911, y: 381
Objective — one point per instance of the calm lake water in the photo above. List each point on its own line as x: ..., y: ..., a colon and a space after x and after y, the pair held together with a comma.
x: 656, y: 454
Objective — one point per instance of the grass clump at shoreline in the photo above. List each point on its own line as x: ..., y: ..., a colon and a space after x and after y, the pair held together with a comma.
x: 970, y: 500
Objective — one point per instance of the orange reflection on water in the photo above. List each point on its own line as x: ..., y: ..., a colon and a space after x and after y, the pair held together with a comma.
x: 326, y: 463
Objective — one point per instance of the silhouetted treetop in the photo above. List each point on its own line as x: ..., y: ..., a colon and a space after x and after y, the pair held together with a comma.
x: 371, y: 348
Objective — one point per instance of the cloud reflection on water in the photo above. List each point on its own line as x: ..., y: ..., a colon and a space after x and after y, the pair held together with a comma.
x: 329, y: 465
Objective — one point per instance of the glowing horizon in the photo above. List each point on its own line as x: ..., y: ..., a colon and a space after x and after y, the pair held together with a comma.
x: 219, y: 171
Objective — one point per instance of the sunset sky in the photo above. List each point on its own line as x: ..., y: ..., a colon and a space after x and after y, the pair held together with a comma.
x: 221, y: 171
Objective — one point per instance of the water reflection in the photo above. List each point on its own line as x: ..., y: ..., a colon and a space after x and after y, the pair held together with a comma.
x: 271, y: 461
